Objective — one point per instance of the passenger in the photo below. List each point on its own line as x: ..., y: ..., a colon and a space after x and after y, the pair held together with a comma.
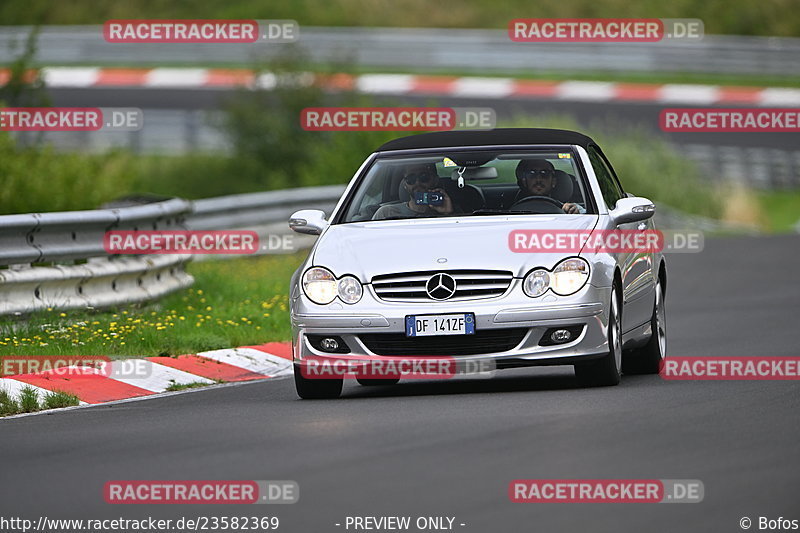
x: 417, y: 179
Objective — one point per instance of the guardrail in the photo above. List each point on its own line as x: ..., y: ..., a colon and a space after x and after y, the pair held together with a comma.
x: 57, y: 260
x: 261, y: 208
x: 420, y: 49
x: 266, y: 213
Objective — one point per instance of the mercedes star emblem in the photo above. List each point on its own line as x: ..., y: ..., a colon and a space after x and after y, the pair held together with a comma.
x: 441, y: 286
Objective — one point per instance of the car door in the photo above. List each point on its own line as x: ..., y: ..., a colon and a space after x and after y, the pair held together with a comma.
x: 636, y: 267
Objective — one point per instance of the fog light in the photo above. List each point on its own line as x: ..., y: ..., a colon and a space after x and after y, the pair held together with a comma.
x: 329, y: 344
x: 561, y: 335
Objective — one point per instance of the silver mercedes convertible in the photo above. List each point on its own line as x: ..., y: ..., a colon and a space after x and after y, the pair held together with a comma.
x: 505, y: 248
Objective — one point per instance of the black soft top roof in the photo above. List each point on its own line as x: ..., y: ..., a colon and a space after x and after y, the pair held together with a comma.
x: 501, y: 136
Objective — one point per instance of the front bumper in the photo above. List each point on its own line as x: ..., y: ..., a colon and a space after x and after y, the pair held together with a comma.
x: 512, y: 311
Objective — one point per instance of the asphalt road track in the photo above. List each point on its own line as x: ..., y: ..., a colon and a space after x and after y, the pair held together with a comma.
x: 607, y: 114
x: 424, y: 448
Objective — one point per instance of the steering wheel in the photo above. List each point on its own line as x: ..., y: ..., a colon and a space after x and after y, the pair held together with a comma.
x: 539, y: 204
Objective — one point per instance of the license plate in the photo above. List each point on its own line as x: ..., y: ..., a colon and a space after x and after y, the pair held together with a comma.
x: 430, y: 325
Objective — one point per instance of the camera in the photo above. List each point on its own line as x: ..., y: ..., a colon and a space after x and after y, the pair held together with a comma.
x: 428, y: 198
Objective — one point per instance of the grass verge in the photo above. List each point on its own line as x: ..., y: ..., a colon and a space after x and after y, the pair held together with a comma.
x: 28, y: 401
x: 236, y: 302
x: 781, y: 209
x: 183, y: 386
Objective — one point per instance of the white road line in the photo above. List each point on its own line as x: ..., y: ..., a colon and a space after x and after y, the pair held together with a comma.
x: 779, y: 97
x: 265, y: 81
x: 14, y: 388
x: 384, y: 83
x: 176, y: 77
x: 151, y: 376
x: 483, y: 87
x: 585, y: 90
x: 251, y: 359
x: 70, y: 76
x: 688, y: 94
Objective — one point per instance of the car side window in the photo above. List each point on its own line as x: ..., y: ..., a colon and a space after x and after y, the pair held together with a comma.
x: 609, y: 187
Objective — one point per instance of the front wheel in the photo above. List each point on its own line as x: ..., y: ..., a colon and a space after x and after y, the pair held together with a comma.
x: 316, y: 389
x: 605, y: 371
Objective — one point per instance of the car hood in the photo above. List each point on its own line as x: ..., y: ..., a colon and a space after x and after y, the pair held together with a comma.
x: 367, y: 249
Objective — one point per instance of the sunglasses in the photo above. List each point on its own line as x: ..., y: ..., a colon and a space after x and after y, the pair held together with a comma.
x: 539, y: 173
x: 422, y: 177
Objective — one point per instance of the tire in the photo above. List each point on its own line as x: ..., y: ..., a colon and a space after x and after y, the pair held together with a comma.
x: 605, y: 371
x: 316, y: 389
x: 647, y: 359
x: 375, y: 382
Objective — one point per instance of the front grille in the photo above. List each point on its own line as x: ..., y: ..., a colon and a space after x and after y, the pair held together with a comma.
x: 482, y: 341
x: 470, y: 284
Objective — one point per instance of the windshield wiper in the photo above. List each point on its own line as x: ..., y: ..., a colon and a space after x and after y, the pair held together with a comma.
x: 501, y: 212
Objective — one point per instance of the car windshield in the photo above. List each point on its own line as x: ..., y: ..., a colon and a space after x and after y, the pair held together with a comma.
x: 475, y: 183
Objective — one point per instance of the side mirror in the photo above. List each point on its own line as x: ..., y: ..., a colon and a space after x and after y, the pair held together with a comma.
x: 632, y: 209
x: 308, y: 221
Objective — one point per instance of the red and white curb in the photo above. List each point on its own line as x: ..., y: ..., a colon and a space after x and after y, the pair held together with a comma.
x: 402, y: 84
x: 153, y: 375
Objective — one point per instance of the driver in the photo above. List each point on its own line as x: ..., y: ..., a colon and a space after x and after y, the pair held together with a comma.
x: 538, y: 178
x: 417, y: 178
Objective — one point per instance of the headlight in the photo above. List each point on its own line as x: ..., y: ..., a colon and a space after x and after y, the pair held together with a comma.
x: 349, y: 289
x: 536, y: 283
x: 569, y: 276
x: 319, y: 285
